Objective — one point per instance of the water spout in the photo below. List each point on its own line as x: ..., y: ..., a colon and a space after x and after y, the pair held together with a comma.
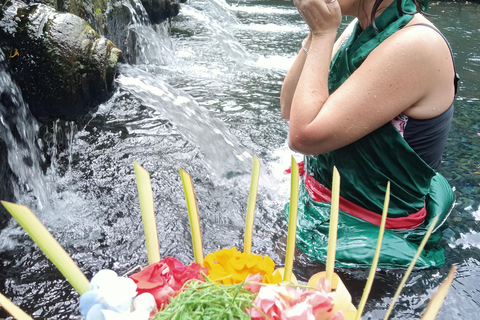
x: 221, y: 149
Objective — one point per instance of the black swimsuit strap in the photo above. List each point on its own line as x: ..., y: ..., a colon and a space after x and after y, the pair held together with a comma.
x: 457, y: 77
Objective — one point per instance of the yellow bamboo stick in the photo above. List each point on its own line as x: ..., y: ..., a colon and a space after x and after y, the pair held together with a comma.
x: 12, y: 309
x: 436, y: 301
x: 371, y: 275
x: 145, y: 197
x: 193, y: 216
x: 252, y: 199
x: 52, y: 249
x: 332, y: 231
x: 292, y: 222
x: 410, y: 267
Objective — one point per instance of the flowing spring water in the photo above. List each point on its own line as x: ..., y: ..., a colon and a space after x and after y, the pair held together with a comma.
x: 205, y: 98
x: 18, y: 130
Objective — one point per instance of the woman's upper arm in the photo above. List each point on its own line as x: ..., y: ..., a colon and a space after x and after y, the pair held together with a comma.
x: 394, y: 77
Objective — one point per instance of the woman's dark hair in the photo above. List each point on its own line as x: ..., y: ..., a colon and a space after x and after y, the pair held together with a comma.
x: 418, y: 4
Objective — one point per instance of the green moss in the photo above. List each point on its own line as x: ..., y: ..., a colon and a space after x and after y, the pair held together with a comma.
x: 47, y: 26
x: 100, y: 5
x: 89, y: 32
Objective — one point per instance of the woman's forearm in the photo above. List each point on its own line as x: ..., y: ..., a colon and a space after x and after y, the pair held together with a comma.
x: 311, y: 90
x: 291, y: 79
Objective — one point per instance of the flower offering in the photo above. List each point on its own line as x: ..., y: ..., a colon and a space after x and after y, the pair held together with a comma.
x: 230, y: 266
x: 226, y: 284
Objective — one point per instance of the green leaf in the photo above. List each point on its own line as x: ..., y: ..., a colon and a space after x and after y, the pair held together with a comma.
x: 410, y: 267
x: 371, y: 275
x: 52, y: 249
x: 192, y: 216
x: 332, y: 231
x: 436, y: 301
x: 252, y: 199
x: 292, y: 222
x: 12, y: 309
x: 145, y: 197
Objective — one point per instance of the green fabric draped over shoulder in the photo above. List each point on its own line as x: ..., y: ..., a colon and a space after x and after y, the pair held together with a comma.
x: 365, y: 167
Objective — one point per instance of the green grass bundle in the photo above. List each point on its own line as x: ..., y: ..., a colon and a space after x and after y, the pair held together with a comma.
x: 209, y: 300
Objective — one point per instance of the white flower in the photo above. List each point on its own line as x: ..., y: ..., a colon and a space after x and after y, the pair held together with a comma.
x: 144, y: 301
x: 108, y: 294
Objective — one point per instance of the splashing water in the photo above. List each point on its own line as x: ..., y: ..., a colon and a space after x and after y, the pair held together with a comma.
x: 221, y: 149
x: 19, y: 131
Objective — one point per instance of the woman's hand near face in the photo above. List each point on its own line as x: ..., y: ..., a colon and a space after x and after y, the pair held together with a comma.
x: 321, y: 16
x: 291, y: 79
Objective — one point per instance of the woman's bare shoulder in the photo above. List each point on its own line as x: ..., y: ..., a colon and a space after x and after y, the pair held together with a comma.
x: 424, y: 54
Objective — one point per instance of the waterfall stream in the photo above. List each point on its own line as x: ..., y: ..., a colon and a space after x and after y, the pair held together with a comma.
x: 19, y: 131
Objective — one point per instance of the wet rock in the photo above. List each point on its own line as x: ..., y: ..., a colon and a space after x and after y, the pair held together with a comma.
x: 62, y: 66
x: 161, y: 10
x: 89, y: 10
x: 122, y: 14
x: 118, y: 17
x: 95, y: 11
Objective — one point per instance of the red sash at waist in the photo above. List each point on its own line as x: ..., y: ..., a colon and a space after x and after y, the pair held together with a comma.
x: 320, y: 193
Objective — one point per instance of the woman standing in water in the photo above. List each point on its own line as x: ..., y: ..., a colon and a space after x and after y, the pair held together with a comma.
x: 377, y: 104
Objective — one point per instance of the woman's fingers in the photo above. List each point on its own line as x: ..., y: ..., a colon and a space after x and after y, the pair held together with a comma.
x: 320, y: 15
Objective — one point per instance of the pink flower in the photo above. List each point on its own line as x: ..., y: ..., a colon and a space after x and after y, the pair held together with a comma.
x: 253, y: 282
x: 164, y: 278
x: 319, y: 301
x: 323, y: 285
x: 337, y: 316
x: 300, y: 311
x: 282, y: 302
x: 269, y: 302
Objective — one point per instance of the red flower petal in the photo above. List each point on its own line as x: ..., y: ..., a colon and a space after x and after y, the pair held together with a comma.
x: 164, y: 278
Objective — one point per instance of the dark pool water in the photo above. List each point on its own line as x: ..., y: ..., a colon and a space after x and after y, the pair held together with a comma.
x: 205, y: 98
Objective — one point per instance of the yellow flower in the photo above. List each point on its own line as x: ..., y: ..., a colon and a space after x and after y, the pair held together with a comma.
x: 231, y: 266
x: 276, y: 277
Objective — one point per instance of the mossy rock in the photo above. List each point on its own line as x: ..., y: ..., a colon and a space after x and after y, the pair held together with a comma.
x: 62, y: 66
